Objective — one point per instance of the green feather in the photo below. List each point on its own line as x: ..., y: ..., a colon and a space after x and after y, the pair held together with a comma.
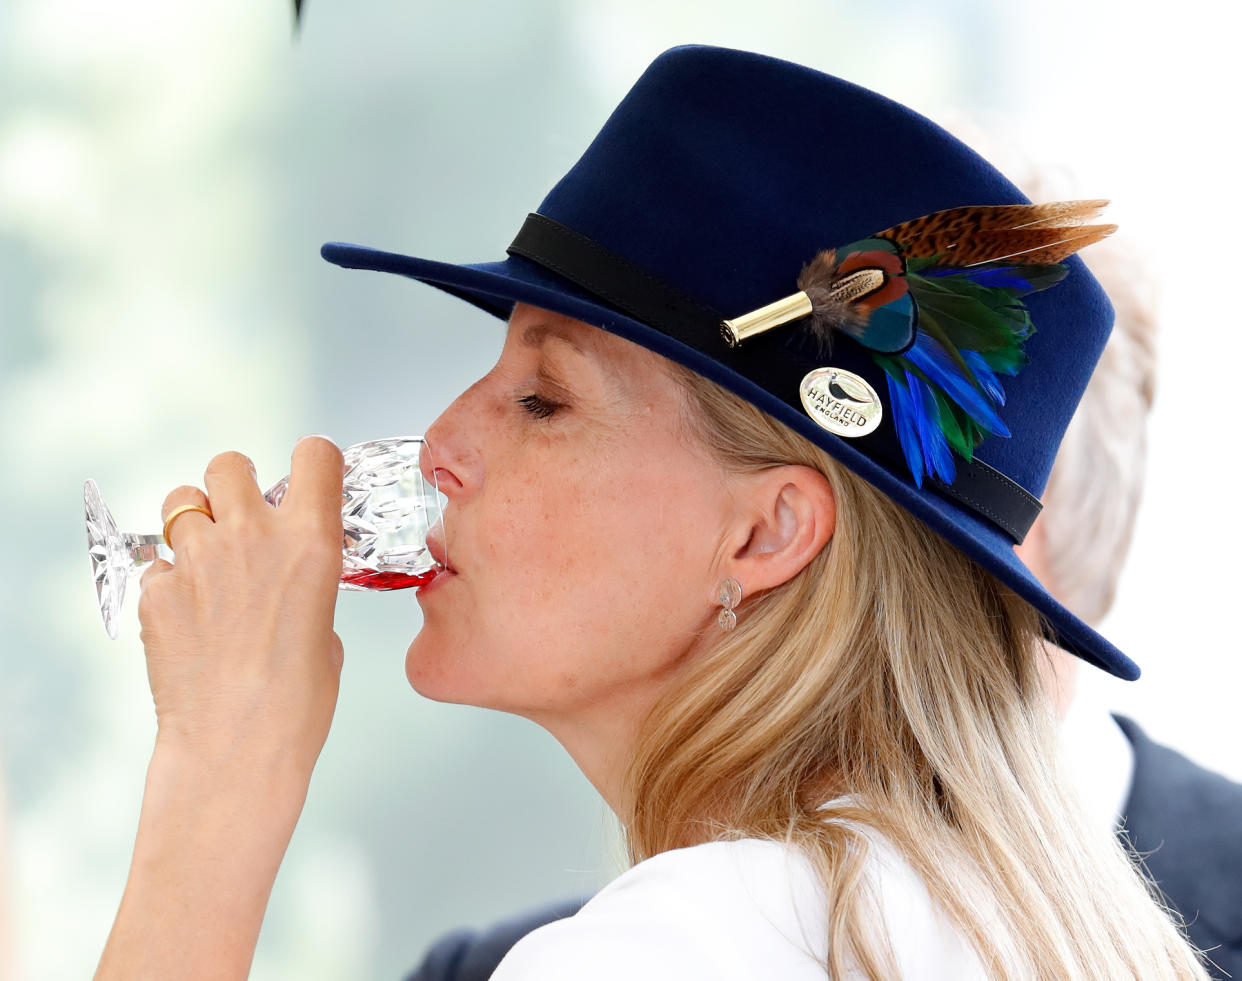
x: 981, y: 321
x: 951, y: 425
x: 1006, y: 362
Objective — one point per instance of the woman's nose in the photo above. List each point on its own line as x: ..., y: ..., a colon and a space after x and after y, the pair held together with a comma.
x: 449, y: 459
x: 434, y: 473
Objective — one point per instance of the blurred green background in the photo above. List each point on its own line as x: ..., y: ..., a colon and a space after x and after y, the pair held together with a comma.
x: 167, y: 174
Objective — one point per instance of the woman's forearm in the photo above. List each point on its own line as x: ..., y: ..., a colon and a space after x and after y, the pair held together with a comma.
x: 244, y: 668
x: 210, y: 840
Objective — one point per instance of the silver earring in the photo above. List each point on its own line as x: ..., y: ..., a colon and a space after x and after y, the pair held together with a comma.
x: 729, y: 594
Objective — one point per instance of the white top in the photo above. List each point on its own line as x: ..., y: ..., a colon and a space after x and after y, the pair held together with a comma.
x: 750, y: 909
x: 734, y: 911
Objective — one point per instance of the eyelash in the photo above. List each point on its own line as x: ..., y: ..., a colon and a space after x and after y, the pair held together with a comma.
x: 538, y: 408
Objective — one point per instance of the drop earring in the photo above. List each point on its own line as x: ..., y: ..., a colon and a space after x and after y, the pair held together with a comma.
x: 729, y: 595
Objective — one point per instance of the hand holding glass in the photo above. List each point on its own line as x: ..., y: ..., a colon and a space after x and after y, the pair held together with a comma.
x: 387, y: 507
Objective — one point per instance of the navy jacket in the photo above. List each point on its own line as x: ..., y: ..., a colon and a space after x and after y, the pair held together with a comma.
x: 1188, y: 822
x: 1185, y: 819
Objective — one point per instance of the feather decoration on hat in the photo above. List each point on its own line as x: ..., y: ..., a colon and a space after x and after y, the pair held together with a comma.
x: 937, y: 301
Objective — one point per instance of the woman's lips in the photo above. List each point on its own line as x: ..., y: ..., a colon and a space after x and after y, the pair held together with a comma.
x: 442, y: 576
x: 438, y: 550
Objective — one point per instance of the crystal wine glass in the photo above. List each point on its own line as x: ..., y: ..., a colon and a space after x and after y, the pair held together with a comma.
x: 387, y: 507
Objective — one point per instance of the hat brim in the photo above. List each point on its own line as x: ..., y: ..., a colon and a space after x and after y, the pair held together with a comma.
x: 496, y: 286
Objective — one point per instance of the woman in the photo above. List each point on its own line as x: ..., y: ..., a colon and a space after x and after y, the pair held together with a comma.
x: 753, y: 575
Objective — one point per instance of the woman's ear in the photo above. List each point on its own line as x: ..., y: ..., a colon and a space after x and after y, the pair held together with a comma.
x: 787, y: 515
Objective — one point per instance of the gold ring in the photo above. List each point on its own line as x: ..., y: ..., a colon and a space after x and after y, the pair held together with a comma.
x: 176, y: 513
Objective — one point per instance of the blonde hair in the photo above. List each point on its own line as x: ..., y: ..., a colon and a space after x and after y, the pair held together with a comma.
x: 897, y: 671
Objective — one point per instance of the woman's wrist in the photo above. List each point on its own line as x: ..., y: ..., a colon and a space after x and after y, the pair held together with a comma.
x: 229, y: 764
x: 211, y: 838
x: 268, y: 784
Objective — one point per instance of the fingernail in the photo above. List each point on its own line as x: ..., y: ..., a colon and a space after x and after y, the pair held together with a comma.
x: 319, y: 436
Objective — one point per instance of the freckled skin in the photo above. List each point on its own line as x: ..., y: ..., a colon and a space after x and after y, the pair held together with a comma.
x: 586, y: 544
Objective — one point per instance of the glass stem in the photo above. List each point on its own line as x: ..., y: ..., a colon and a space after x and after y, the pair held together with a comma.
x: 144, y: 549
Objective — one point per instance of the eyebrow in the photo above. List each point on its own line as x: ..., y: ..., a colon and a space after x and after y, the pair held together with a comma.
x: 536, y: 334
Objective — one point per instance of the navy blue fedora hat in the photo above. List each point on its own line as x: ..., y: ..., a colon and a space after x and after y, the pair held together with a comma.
x: 710, y: 187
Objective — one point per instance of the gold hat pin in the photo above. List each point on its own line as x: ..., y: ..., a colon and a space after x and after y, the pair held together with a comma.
x: 797, y: 306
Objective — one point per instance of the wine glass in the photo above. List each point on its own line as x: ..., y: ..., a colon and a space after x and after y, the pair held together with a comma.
x: 387, y: 507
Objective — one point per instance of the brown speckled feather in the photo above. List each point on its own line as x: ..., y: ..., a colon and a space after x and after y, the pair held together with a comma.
x: 1031, y: 233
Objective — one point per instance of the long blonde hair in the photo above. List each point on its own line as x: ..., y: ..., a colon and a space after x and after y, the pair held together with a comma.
x: 897, y: 671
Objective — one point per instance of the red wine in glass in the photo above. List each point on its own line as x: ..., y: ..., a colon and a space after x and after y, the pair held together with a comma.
x: 386, y: 580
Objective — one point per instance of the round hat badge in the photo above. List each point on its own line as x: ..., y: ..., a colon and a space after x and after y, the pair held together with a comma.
x: 841, y: 402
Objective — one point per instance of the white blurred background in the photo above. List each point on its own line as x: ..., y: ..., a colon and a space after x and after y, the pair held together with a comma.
x: 167, y: 174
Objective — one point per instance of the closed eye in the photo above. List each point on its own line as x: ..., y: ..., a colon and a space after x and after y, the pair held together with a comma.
x: 537, y: 407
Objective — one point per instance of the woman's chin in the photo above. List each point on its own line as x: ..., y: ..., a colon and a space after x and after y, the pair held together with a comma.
x: 420, y: 672
x: 432, y: 675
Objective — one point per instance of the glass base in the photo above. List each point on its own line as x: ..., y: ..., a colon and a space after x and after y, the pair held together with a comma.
x: 111, y: 564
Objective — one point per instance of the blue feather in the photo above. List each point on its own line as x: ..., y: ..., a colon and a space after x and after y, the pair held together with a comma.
x: 984, y: 375
x: 994, y: 277
x: 934, y: 362
x: 903, y: 422
x: 936, y: 456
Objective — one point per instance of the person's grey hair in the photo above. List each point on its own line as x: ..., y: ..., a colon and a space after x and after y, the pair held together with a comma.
x: 1093, y: 492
